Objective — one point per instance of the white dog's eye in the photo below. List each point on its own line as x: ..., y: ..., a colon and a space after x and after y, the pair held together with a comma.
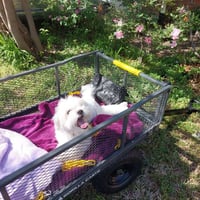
x: 68, y: 112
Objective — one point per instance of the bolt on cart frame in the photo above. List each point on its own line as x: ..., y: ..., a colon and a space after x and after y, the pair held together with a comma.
x: 21, y: 94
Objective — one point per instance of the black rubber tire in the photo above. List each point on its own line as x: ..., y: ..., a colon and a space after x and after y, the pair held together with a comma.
x: 119, y: 174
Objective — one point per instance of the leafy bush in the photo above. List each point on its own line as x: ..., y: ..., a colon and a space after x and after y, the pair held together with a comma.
x: 9, y: 52
x: 137, y: 22
x: 67, y: 13
x: 46, y: 38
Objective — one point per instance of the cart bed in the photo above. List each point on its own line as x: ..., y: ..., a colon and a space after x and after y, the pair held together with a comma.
x: 34, y: 94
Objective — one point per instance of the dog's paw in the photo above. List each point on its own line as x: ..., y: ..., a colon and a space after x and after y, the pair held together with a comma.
x: 123, y: 106
x: 87, y: 89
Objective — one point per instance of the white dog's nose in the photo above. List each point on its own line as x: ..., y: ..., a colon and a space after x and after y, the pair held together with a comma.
x: 80, y: 112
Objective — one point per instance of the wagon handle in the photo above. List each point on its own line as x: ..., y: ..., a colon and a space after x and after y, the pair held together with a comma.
x: 137, y: 72
x: 132, y: 70
x: 126, y: 67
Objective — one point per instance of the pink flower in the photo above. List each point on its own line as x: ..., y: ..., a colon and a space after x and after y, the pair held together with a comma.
x: 139, y: 28
x: 77, y: 11
x: 58, y: 18
x: 115, y: 20
x: 118, y: 22
x: 135, y: 3
x: 119, y: 34
x: 79, y: 2
x: 173, y: 44
x: 148, y: 40
x: 182, y: 10
x: 175, y: 33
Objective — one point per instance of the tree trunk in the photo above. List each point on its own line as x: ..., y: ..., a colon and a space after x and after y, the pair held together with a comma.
x: 24, y: 40
x: 3, y: 28
x: 3, y: 15
x: 31, y: 24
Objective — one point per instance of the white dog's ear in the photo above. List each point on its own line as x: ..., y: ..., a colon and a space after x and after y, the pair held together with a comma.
x: 56, y: 117
x: 87, y: 90
x: 56, y: 121
x: 66, y: 97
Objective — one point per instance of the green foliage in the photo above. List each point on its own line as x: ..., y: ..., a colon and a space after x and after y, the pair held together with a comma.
x: 46, y: 38
x: 10, y: 53
x: 186, y: 20
x: 68, y: 13
x: 139, y: 26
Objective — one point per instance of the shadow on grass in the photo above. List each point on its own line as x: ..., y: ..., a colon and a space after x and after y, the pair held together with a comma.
x: 172, y: 160
x: 171, y: 167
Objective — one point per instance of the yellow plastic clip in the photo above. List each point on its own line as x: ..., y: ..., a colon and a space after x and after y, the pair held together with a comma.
x: 74, y: 93
x: 118, y: 145
x: 67, y: 165
x: 40, y: 196
x: 96, y: 134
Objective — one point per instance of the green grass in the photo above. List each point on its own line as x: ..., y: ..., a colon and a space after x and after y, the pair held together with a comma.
x: 6, y: 69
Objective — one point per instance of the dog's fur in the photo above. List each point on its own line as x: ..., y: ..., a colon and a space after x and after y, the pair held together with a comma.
x: 73, y: 114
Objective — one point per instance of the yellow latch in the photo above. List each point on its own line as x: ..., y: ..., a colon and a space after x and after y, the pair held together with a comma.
x: 69, y: 164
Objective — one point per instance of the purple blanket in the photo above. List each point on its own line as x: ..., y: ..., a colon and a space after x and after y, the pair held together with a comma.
x: 38, y: 127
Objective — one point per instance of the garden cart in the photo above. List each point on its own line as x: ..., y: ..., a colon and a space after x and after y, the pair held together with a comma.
x: 111, y: 162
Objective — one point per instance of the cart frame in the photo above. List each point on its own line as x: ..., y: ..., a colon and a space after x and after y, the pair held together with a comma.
x: 125, y: 148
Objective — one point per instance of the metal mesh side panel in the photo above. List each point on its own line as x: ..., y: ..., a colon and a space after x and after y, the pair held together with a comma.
x: 24, y: 91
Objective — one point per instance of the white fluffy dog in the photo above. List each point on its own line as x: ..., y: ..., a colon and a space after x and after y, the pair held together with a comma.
x: 73, y: 114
